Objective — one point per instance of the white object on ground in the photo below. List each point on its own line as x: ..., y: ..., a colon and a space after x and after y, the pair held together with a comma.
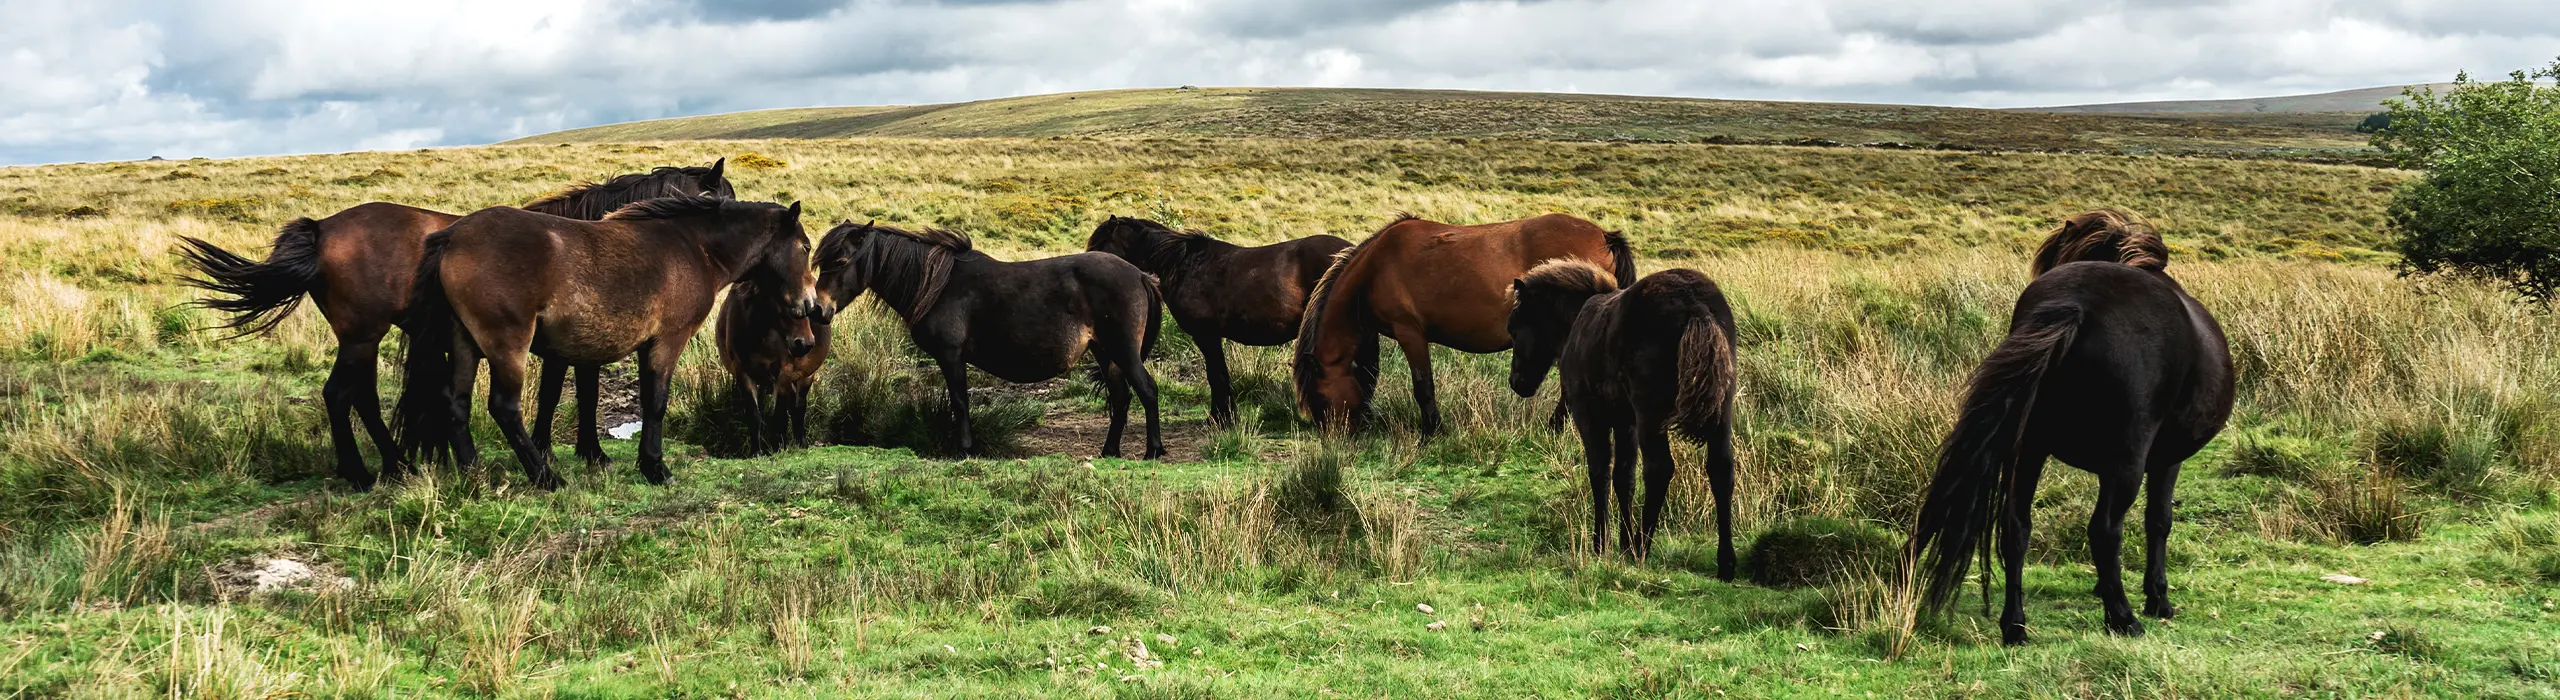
x: 624, y: 431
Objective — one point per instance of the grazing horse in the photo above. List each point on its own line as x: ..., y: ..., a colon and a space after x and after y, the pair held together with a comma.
x: 1220, y: 291
x: 1637, y: 365
x: 1422, y: 282
x: 504, y: 282
x: 357, y: 265
x: 1020, y: 321
x: 770, y: 351
x: 2109, y: 366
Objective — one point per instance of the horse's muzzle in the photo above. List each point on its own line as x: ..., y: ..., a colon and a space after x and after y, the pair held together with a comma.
x: 800, y: 347
x: 1527, y: 386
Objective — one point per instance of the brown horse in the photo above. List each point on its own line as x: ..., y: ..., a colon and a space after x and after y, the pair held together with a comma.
x: 1637, y: 365
x: 770, y: 351
x: 1422, y: 282
x: 1220, y: 291
x: 358, y: 264
x: 2109, y: 366
x: 504, y: 282
x: 1020, y: 321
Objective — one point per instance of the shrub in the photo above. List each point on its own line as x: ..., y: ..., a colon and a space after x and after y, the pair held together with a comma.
x: 1816, y: 551
x: 1091, y: 597
x: 2436, y: 453
x: 2486, y: 206
x: 757, y: 161
x: 2279, y: 457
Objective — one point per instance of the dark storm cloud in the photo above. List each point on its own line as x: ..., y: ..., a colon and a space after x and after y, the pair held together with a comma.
x: 109, y: 79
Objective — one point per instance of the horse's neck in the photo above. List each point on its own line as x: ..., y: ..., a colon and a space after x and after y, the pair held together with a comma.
x: 726, y: 251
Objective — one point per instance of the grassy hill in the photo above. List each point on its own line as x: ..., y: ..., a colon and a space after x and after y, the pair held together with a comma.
x: 2360, y: 101
x: 2397, y: 431
x: 1317, y: 113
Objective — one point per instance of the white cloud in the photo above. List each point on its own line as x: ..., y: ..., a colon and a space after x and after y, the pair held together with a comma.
x: 109, y: 79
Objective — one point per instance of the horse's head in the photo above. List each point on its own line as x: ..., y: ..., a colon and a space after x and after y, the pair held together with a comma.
x: 1127, y: 237
x: 841, y: 276
x: 785, y: 261
x: 712, y: 181
x: 799, y: 330
x: 1544, y: 303
x: 2103, y: 235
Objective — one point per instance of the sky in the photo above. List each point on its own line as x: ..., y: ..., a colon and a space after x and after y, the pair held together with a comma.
x: 93, y: 80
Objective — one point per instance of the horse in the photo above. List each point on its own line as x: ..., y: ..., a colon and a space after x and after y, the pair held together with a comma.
x: 1422, y: 282
x: 1637, y: 364
x: 1020, y: 321
x: 357, y: 266
x: 504, y: 282
x: 770, y: 351
x: 2111, y: 367
x: 1220, y: 291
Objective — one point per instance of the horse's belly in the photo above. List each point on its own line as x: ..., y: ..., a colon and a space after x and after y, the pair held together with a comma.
x: 587, y: 339
x: 1025, y: 365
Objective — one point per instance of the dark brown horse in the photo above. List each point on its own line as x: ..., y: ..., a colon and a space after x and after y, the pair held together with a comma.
x: 1422, y: 282
x: 1637, y: 365
x: 1220, y: 291
x: 503, y: 283
x: 358, y: 264
x: 2109, y: 366
x: 1020, y: 321
x: 770, y: 349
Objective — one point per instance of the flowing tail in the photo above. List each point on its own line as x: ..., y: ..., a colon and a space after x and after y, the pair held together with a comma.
x: 1976, y: 463
x: 1155, y: 318
x: 1706, y: 379
x: 256, y: 295
x: 425, y: 416
x: 1622, y: 260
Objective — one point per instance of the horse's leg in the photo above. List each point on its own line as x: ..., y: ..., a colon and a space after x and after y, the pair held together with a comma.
x: 2155, y: 549
x: 657, y: 366
x: 777, y: 420
x: 1623, y: 482
x: 1599, y: 461
x: 1657, y: 488
x: 796, y: 398
x: 1222, y: 397
x: 2018, y: 521
x: 955, y: 381
x: 1555, y: 421
x: 2117, y: 487
x: 1115, y: 388
x: 1143, y: 384
x: 1720, y: 481
x: 506, y: 406
x: 1417, y: 357
x: 547, y: 401
x: 365, y: 392
x: 590, y: 446
x: 742, y: 398
x: 466, y: 371
x: 337, y: 397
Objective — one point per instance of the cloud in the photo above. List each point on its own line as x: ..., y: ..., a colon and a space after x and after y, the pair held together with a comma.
x: 117, y: 79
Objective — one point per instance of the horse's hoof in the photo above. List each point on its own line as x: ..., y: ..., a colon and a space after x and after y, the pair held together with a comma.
x: 2159, y: 610
x: 1153, y: 454
x: 2013, y: 634
x: 2128, y: 627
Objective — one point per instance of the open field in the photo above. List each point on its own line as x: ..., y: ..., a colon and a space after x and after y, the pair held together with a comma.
x: 2403, y: 432
x: 1331, y: 113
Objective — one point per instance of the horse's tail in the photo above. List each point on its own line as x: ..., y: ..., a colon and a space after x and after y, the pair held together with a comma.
x: 257, y: 295
x: 1304, y: 368
x: 424, y: 420
x: 1706, y: 379
x: 1980, y: 456
x: 1622, y: 260
x: 1155, y: 318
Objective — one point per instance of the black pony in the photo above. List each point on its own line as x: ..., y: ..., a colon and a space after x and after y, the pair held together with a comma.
x: 1220, y: 291
x: 1020, y: 321
x: 2109, y: 366
x: 1637, y: 365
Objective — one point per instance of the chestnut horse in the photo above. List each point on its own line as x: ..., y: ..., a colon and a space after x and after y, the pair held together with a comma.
x: 357, y: 266
x: 1020, y: 321
x: 2109, y: 366
x: 1637, y: 365
x: 1220, y: 291
x: 1422, y: 282
x: 770, y: 351
x: 505, y: 282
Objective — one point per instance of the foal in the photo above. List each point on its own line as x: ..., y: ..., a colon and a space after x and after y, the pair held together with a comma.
x: 1637, y: 365
x: 770, y: 350
x: 1020, y: 321
x: 1220, y: 291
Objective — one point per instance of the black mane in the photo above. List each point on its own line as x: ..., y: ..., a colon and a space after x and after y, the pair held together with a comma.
x: 676, y: 207
x: 593, y: 201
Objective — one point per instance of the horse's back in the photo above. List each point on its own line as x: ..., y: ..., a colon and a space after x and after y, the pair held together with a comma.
x: 1624, y: 352
x: 2144, y: 354
x: 1454, y: 281
x: 1031, y: 320
x: 369, y: 257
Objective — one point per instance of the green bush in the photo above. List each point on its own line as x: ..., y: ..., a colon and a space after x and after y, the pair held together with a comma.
x: 2489, y: 203
x: 1815, y: 551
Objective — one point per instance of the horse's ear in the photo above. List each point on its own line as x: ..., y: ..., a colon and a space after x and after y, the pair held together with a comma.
x: 717, y: 165
x: 795, y: 208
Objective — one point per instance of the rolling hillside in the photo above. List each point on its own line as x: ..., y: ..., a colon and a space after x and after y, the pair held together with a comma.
x: 2359, y: 101
x: 1435, y: 114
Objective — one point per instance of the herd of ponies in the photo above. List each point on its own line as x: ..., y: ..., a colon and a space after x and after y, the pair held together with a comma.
x: 2109, y: 365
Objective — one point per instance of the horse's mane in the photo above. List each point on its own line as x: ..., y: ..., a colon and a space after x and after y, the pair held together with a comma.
x: 906, y: 269
x: 661, y: 208
x: 1570, y: 275
x: 595, y: 200
x: 2106, y: 235
x: 1168, y: 254
x: 1305, y: 367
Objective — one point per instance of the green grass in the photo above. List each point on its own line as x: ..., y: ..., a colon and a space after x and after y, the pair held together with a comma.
x: 143, y: 465
x: 1334, y: 113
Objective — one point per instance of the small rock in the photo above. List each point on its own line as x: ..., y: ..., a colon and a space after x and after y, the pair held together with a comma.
x: 1164, y: 639
x: 1099, y: 629
x: 2345, y: 580
x: 1435, y: 625
x: 1425, y: 608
